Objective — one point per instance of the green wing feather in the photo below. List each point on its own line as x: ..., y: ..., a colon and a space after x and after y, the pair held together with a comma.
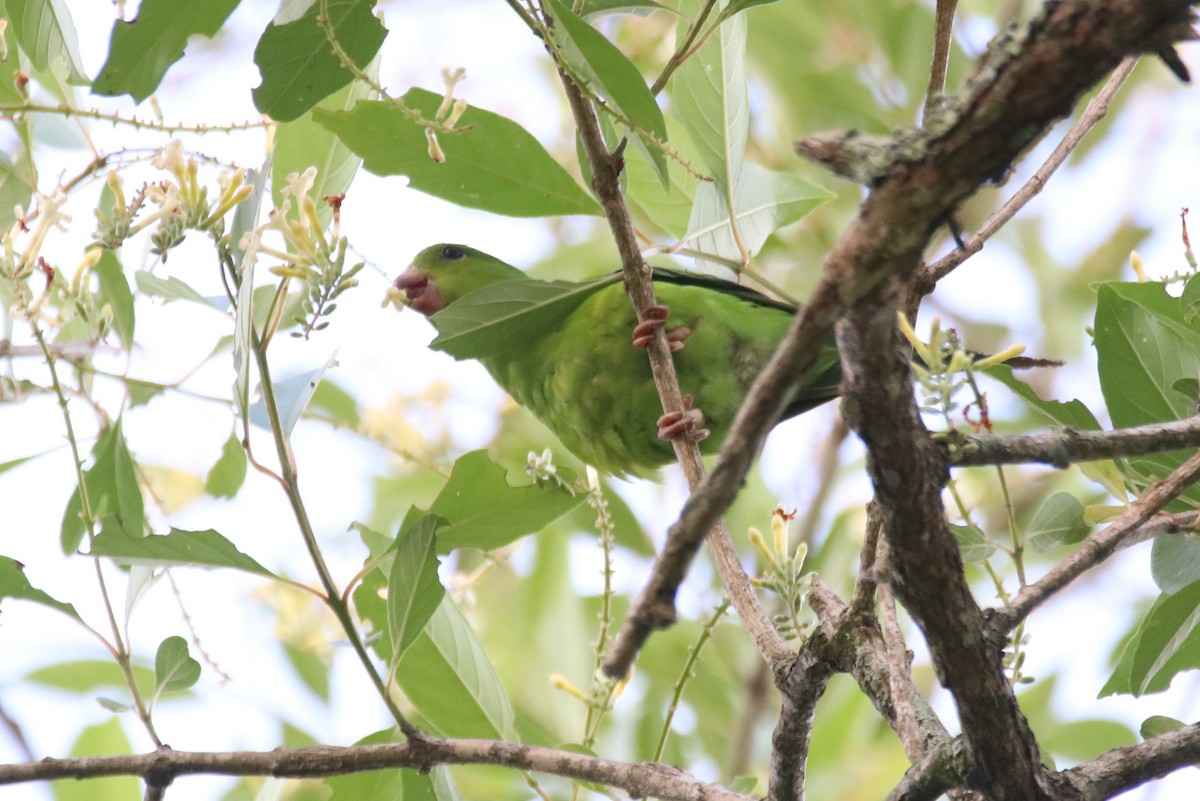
x: 594, y: 390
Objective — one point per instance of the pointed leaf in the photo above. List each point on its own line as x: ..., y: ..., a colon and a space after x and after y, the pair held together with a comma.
x: 505, y: 317
x: 14, y: 584
x: 227, y: 475
x: 483, y: 511
x: 303, y: 143
x: 712, y: 99
x: 292, y: 394
x: 492, y: 163
x: 45, y: 31
x: 115, y: 291
x: 1168, y: 641
x: 413, y: 591
x: 141, y: 51
x: 764, y: 202
x: 449, y: 679
x: 298, y: 65
x: 606, y: 70
x: 172, y: 288
x: 195, y: 548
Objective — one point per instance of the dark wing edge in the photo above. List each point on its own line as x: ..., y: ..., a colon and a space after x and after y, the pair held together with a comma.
x: 681, y: 278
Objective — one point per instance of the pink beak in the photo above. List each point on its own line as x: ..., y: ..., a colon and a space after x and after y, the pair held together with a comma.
x: 422, y: 295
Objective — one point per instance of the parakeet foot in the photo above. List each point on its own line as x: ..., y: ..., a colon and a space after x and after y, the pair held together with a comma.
x: 656, y: 318
x: 684, y: 423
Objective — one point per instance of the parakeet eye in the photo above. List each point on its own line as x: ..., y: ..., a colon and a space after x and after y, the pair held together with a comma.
x: 453, y: 254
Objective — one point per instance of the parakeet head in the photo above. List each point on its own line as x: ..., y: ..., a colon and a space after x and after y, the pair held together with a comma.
x: 441, y: 274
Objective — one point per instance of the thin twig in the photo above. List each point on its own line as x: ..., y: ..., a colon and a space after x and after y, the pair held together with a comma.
x: 1064, y: 448
x: 639, y: 780
x: 1125, y: 530
x: 943, y: 37
x: 1095, y: 111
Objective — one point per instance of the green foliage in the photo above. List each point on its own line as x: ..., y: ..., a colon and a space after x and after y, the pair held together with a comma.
x: 143, y: 49
x: 298, y: 65
x: 482, y: 616
x: 489, y: 162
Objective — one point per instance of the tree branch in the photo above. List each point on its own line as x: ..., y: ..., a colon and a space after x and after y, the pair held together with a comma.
x: 160, y: 767
x: 1064, y: 448
x: 1122, y: 769
x: 1095, y: 111
x: 1125, y: 530
x: 1031, y: 79
x: 654, y: 609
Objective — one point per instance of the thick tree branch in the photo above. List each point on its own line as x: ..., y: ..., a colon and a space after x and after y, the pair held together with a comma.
x: 1125, y: 530
x: 1125, y: 768
x: 159, y: 768
x: 1065, y: 448
x: 1031, y: 80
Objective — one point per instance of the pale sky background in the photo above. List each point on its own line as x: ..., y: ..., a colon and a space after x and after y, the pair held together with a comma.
x: 381, y: 353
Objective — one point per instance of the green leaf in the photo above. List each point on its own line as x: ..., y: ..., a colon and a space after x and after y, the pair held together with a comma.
x: 339, y: 406
x: 114, y: 289
x: 764, y: 201
x: 311, y: 667
x: 174, y: 668
x: 492, y: 163
x: 1144, y: 350
x: 1160, y: 724
x: 483, y: 511
x: 1167, y: 642
x: 90, y: 675
x: 172, y: 288
x: 711, y: 96
x: 738, y: 6
x: 1072, y: 413
x: 104, y: 739
x: 298, y: 65
x: 608, y: 72
x: 46, y: 33
x: 292, y: 395
x: 227, y: 475
x: 504, y: 317
x: 18, y: 176
x: 141, y: 51
x: 669, y: 208
x: 972, y: 542
x: 396, y: 784
x: 449, y: 679
x: 1175, y: 561
x: 640, y: 8
x: 1189, y: 300
x: 1058, y: 520
x: 14, y: 584
x: 195, y: 548
x: 413, y: 590
x: 303, y: 143
x: 112, y: 489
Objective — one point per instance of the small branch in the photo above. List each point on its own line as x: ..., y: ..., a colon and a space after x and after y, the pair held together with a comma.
x: 162, y: 766
x: 1064, y: 448
x: 1092, y: 114
x: 943, y: 37
x: 1123, y: 769
x: 804, y: 685
x: 653, y: 608
x: 1125, y: 530
x: 899, y: 661
x: 11, y: 109
x: 853, y: 644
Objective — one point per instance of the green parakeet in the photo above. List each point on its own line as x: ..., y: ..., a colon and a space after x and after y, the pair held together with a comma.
x: 585, y: 380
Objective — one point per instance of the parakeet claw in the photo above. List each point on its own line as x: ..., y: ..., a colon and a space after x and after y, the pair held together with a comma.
x: 656, y: 318
x: 684, y: 423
